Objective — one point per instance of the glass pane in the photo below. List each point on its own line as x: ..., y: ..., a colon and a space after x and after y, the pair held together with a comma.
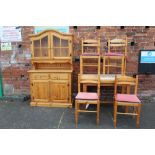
x: 56, y: 52
x: 37, y: 52
x: 56, y: 41
x: 44, y: 42
x: 64, y: 43
x: 44, y: 52
x: 64, y: 52
x: 37, y: 43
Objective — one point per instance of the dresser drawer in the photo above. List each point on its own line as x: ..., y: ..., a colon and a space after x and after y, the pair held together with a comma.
x: 40, y: 76
x: 59, y: 76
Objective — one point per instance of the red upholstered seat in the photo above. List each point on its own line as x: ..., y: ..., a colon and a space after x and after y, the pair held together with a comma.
x: 113, y: 54
x: 90, y: 54
x: 127, y: 98
x: 87, y: 96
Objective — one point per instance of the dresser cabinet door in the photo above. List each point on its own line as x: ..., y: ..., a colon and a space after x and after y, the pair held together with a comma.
x: 59, y: 91
x: 40, y: 90
x: 41, y: 47
x: 61, y: 48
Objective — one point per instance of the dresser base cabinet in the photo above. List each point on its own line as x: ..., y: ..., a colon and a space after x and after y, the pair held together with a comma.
x: 50, y: 89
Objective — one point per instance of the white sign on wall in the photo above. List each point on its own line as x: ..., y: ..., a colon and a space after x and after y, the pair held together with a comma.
x: 10, y: 34
x: 147, y: 57
x: 6, y: 46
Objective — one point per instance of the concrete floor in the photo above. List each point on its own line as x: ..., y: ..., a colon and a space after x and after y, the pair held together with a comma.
x: 20, y: 115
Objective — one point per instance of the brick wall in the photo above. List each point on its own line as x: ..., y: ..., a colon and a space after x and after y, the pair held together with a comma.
x: 15, y: 63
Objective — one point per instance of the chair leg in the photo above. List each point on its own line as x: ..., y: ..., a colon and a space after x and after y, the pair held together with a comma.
x: 108, y: 66
x: 138, y: 117
x: 134, y: 112
x: 124, y: 66
x: 84, y: 88
x: 76, y: 113
x: 98, y: 113
x: 126, y: 109
x: 115, y: 114
x: 104, y: 68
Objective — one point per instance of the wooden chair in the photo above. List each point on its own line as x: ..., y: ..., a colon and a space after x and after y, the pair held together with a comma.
x: 84, y: 97
x: 115, y: 56
x: 127, y: 99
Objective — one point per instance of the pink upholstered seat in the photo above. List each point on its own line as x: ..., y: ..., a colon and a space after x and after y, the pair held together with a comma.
x: 87, y: 96
x: 127, y: 98
x: 90, y: 54
x: 113, y: 54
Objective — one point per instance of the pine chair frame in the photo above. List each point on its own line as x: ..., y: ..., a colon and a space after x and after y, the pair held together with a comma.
x: 126, y: 81
x: 78, y: 102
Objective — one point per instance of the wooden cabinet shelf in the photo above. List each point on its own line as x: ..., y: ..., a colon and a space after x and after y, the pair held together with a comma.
x: 51, y: 76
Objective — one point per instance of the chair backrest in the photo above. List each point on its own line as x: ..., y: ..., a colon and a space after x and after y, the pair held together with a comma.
x: 116, y: 44
x: 90, y: 78
x: 126, y: 82
x: 88, y: 63
x: 91, y: 43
